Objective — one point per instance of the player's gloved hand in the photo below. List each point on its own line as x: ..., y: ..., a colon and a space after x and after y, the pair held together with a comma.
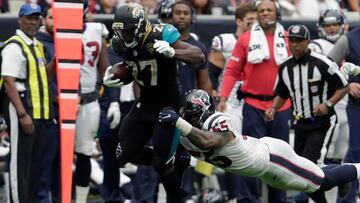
x: 163, y: 47
x: 114, y: 113
x: 350, y: 69
x: 118, y: 151
x: 168, y: 115
x: 108, y: 81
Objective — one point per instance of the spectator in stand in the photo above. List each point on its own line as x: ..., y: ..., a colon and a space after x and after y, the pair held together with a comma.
x: 350, y: 5
x: 255, y: 60
x: 313, y: 11
x: 106, y: 6
x: 149, y: 5
x: 202, y: 7
x: 4, y: 6
x: 42, y: 3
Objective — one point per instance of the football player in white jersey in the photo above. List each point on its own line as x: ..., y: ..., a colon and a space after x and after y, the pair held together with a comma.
x: 220, y: 53
x: 332, y: 24
x: 211, y: 136
x: 94, y: 61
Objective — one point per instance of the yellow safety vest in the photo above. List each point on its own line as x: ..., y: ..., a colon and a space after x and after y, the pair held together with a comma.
x: 36, y: 82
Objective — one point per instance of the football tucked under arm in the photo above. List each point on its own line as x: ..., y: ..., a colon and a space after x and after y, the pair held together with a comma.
x: 122, y: 72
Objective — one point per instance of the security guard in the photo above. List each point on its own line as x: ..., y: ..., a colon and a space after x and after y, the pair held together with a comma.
x: 26, y: 82
x: 314, y: 84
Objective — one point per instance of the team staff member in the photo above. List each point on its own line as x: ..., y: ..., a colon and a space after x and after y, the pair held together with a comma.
x: 50, y: 175
x: 314, y: 84
x: 26, y: 82
x: 190, y: 75
x: 255, y: 60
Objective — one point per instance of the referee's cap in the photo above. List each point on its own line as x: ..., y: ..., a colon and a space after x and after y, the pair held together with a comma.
x: 29, y: 9
x: 299, y: 31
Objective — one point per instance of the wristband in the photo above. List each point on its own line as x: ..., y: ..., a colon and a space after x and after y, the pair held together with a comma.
x: 21, y: 115
x: 183, y: 126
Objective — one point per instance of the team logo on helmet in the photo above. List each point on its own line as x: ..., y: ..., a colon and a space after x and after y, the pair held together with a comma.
x: 138, y: 12
x: 198, y: 101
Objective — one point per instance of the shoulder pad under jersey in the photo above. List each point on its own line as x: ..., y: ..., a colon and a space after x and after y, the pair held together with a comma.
x: 218, y: 122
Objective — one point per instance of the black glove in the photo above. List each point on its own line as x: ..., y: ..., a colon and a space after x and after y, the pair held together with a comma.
x: 168, y: 115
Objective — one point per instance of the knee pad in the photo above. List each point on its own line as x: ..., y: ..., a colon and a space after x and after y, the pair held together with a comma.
x: 160, y: 165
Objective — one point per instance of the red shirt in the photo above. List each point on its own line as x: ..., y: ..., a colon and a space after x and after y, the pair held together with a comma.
x: 258, y: 79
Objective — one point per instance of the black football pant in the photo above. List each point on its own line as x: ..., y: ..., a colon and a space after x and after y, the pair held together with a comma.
x: 138, y: 127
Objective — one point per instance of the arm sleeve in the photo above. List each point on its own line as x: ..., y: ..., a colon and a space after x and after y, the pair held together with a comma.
x: 214, y: 75
x: 334, y: 77
x: 280, y: 87
x: 113, y: 92
x: 234, y: 69
x: 340, y: 50
x: 170, y: 34
x: 206, y: 53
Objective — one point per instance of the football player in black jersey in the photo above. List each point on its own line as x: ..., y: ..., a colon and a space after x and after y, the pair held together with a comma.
x: 152, y: 51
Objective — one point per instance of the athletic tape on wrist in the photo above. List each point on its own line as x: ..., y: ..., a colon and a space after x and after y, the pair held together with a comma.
x: 183, y: 126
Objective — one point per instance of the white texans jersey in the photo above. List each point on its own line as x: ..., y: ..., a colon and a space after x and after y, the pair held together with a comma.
x: 272, y: 160
x: 225, y: 44
x: 243, y: 156
x: 321, y: 46
x: 92, y: 39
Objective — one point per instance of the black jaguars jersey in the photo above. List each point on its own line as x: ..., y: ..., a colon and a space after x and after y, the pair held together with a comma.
x: 155, y: 74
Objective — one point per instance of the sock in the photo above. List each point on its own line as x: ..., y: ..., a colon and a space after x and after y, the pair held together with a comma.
x: 171, y: 184
x: 81, y: 194
x: 83, y: 170
x: 338, y: 174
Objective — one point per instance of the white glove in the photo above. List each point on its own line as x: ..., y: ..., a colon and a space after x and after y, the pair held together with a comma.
x: 350, y: 69
x: 108, y: 81
x: 114, y: 112
x: 163, y: 47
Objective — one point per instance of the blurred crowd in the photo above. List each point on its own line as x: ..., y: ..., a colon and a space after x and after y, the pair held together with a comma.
x: 291, y: 8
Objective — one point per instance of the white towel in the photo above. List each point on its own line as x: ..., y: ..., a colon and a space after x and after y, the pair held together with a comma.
x: 259, y: 48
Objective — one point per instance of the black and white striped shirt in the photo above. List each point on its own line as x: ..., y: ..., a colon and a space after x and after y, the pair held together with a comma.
x: 309, y: 81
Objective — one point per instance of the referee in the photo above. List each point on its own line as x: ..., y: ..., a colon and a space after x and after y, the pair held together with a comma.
x: 314, y: 84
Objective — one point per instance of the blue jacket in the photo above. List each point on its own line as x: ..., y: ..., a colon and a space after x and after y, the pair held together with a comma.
x: 48, y: 41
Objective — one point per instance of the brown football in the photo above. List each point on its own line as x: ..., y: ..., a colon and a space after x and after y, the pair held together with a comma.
x: 123, y: 72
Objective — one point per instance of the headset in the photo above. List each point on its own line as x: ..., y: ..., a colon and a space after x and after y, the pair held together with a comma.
x: 165, y: 9
x: 256, y: 3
